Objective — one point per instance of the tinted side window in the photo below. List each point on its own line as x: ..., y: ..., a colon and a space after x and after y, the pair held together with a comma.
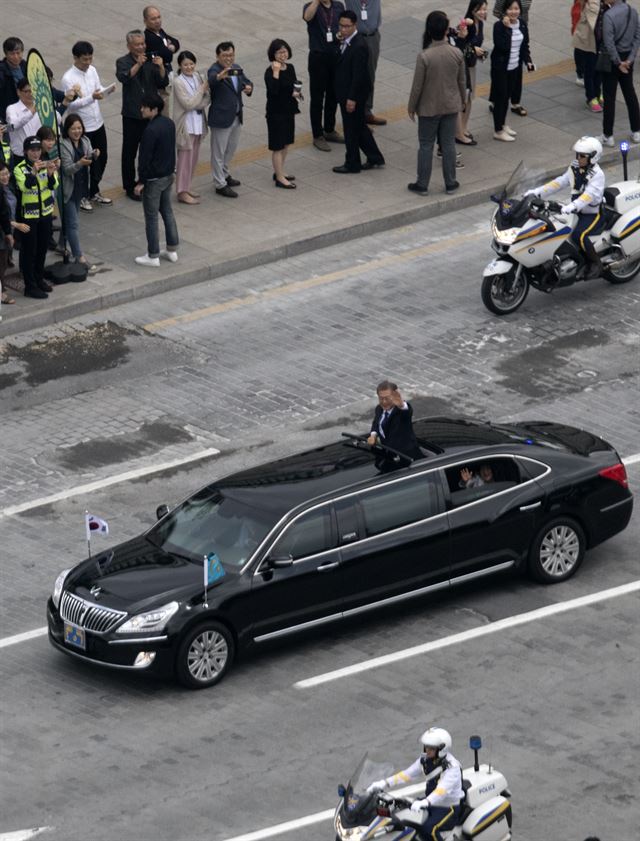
x: 480, y: 478
x: 308, y: 535
x: 400, y: 503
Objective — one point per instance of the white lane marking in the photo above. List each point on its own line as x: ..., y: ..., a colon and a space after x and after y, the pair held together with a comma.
x: 473, y: 633
x: 308, y: 820
x: 23, y: 834
x: 634, y: 459
x: 28, y: 635
x: 107, y: 482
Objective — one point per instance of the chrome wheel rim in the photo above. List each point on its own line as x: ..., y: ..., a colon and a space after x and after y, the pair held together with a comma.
x: 559, y: 550
x: 627, y: 273
x: 207, y: 656
x: 506, y: 292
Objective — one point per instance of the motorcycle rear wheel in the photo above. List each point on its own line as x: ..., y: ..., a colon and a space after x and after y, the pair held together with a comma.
x: 501, y: 295
x: 623, y: 276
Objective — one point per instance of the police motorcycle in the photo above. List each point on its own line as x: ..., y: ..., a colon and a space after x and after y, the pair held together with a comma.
x: 486, y: 814
x: 531, y: 241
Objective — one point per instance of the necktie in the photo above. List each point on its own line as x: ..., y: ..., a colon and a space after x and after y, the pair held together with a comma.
x: 383, y: 420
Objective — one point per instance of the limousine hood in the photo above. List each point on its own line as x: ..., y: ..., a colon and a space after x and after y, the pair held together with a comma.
x: 135, y: 575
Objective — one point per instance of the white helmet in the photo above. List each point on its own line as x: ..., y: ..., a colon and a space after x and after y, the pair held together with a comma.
x: 588, y: 146
x: 436, y: 737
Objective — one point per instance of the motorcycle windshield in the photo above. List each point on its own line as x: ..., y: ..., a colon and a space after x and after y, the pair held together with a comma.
x: 367, y: 771
x: 522, y: 178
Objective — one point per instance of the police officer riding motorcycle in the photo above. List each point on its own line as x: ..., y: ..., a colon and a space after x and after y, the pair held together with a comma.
x: 587, y: 182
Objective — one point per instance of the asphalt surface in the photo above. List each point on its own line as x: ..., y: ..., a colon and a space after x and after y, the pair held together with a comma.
x: 287, y: 358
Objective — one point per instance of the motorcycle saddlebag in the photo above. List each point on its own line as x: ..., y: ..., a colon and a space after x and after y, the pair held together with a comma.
x: 491, y: 821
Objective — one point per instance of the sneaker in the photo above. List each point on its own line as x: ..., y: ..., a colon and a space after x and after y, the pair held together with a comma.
x: 99, y: 199
x: 439, y: 153
x: 601, y: 99
x: 86, y: 205
x: 580, y: 81
x: 510, y: 131
x: 594, y: 105
x: 333, y: 137
x: 145, y: 260
x: 171, y: 256
x: 459, y: 164
x: 502, y: 135
x: 635, y: 137
x: 321, y: 143
x: 452, y: 188
x: 606, y: 141
x: 417, y: 188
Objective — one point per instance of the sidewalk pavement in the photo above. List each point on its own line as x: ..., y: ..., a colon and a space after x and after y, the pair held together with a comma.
x: 221, y: 236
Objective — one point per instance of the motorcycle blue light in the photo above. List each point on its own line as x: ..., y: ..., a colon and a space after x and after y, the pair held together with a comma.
x: 624, y: 146
x: 341, y: 791
x: 475, y: 742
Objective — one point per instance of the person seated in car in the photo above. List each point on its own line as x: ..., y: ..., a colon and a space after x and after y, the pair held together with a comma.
x: 468, y: 479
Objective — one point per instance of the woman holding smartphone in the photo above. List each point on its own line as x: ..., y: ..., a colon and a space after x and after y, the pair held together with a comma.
x: 77, y: 155
x: 282, y: 106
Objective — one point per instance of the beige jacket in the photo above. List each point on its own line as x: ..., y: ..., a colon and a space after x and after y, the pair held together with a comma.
x: 183, y: 101
x: 439, y: 85
x: 583, y: 37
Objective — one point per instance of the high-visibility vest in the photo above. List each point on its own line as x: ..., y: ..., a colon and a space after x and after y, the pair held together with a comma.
x: 38, y: 199
x: 6, y: 151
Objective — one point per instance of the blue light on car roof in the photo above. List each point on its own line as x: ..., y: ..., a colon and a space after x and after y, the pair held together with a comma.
x: 528, y: 441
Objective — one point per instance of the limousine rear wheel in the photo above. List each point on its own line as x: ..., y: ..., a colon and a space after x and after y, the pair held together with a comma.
x: 557, y: 551
x: 205, y: 655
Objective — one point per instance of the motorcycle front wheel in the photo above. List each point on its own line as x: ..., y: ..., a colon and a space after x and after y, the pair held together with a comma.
x: 502, y: 294
x: 624, y: 275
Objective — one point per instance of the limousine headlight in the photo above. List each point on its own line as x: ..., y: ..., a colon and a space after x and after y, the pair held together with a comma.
x: 150, y: 622
x: 58, y: 587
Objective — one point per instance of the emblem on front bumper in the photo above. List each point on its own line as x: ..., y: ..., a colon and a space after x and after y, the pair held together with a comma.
x: 95, y: 591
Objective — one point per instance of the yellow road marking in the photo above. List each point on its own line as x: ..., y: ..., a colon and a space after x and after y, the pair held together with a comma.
x: 393, y: 115
x: 310, y: 283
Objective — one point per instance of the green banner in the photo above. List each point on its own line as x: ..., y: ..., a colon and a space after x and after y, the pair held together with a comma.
x: 41, y: 90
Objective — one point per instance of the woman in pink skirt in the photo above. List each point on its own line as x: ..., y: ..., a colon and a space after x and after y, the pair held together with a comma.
x: 190, y: 98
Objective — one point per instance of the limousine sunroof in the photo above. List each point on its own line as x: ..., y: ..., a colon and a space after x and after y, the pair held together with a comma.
x: 360, y: 443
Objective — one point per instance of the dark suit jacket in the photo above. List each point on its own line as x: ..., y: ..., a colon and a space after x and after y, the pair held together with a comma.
x: 502, y: 45
x: 154, y: 42
x: 352, y: 80
x: 398, y: 430
x: 226, y: 102
x: 8, y: 91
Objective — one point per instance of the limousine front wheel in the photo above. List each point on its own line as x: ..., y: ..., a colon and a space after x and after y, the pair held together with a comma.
x: 557, y: 551
x: 204, y: 656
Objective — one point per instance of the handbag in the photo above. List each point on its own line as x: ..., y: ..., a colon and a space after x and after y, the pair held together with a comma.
x: 603, y: 60
x: 470, y: 56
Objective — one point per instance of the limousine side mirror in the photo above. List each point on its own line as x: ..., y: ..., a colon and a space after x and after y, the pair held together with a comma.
x: 162, y: 511
x: 281, y: 561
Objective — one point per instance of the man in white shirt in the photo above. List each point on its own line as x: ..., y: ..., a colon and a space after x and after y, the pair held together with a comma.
x: 84, y: 77
x: 22, y: 119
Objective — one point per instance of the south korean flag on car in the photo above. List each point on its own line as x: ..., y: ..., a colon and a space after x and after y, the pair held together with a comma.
x: 95, y: 525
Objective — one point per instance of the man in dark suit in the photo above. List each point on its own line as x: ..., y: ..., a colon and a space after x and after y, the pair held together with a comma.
x: 156, y: 39
x: 392, y: 425
x: 353, y: 84
x: 227, y: 83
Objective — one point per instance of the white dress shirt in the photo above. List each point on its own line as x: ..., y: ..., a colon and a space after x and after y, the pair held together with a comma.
x: 85, y: 106
x: 22, y: 124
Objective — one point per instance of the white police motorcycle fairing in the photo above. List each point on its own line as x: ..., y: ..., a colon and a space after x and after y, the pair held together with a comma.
x: 486, y: 808
x: 531, y: 240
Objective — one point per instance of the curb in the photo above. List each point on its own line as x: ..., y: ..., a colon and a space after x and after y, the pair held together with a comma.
x: 145, y: 289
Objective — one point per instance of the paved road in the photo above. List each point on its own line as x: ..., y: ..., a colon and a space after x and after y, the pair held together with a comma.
x: 288, y: 357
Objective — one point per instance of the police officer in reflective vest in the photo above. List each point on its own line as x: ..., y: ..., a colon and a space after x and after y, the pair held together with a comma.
x: 441, y: 807
x: 4, y: 143
x: 36, y: 181
x: 587, y: 182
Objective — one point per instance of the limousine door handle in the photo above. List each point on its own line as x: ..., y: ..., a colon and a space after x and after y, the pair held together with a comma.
x: 325, y: 567
x: 531, y: 507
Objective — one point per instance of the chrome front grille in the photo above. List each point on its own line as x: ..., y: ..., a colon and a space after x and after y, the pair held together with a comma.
x: 88, y: 615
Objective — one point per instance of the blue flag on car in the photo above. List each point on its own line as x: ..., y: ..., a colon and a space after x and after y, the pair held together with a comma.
x: 213, y: 569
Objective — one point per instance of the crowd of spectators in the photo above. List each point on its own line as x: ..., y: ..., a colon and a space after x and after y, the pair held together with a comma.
x: 158, y: 78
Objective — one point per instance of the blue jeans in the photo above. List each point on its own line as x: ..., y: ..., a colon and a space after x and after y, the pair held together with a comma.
x: 71, y: 227
x: 156, y: 198
x: 442, y: 127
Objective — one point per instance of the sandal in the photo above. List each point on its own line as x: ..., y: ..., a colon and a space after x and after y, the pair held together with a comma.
x: 6, y: 299
x: 520, y: 110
